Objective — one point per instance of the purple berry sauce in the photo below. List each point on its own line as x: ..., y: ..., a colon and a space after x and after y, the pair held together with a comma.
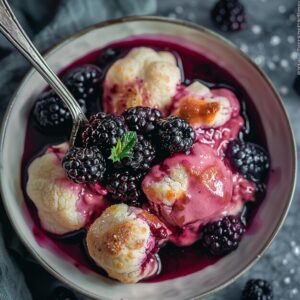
x: 176, y: 261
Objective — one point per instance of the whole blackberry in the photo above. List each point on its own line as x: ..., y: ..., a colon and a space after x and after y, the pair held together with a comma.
x: 51, y: 114
x: 257, y: 289
x: 84, y: 83
x: 229, y: 15
x: 142, y: 157
x: 125, y: 187
x: 103, y: 131
x: 84, y: 165
x: 141, y: 119
x: 223, y: 236
x: 249, y: 159
x: 108, y: 56
x: 174, y: 135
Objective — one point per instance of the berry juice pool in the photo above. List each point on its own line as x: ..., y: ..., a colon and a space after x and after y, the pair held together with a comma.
x: 175, y: 261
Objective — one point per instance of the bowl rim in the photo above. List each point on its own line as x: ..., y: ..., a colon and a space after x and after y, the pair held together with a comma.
x: 184, y: 23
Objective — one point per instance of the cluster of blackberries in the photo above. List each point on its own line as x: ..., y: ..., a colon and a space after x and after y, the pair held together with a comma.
x: 111, y: 157
x: 229, y: 15
x: 93, y: 161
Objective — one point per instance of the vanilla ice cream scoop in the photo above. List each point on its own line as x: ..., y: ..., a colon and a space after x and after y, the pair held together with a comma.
x: 62, y: 205
x: 187, y: 191
x: 203, y: 108
x: 143, y: 77
x: 124, y: 241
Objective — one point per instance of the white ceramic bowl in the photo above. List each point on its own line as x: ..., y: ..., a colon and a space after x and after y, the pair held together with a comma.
x: 275, y: 124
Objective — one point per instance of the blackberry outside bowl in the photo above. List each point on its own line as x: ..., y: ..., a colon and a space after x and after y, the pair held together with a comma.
x: 278, y: 138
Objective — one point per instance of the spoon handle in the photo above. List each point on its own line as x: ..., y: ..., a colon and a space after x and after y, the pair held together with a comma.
x: 13, y: 31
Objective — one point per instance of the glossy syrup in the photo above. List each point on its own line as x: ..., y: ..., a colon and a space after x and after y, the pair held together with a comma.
x: 176, y: 261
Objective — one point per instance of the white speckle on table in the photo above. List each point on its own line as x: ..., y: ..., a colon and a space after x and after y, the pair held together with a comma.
x: 271, y: 65
x: 275, y: 40
x: 294, y: 55
x: 287, y: 280
x: 284, y: 63
x: 256, y: 29
x: 282, y: 9
x: 292, y: 271
x: 293, y: 292
x: 296, y: 251
x: 244, y: 48
x: 284, y: 261
x: 259, y: 60
x: 283, y: 90
x: 172, y: 15
x: 179, y: 9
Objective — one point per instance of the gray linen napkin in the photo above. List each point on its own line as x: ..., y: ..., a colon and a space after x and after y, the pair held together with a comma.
x: 58, y: 19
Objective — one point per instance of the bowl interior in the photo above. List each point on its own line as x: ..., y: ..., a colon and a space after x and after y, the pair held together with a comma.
x: 278, y: 139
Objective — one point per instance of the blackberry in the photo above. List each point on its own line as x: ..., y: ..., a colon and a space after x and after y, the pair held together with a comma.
x: 257, y: 289
x: 249, y: 159
x: 141, y: 119
x: 108, y: 56
x: 51, y: 114
x: 125, y: 187
x: 84, y: 165
x: 103, y: 131
x: 174, y: 135
x: 142, y: 157
x: 84, y: 83
x: 223, y: 236
x: 229, y: 15
x: 296, y: 84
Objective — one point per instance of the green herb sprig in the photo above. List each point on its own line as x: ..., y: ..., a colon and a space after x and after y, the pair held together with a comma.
x: 124, y: 147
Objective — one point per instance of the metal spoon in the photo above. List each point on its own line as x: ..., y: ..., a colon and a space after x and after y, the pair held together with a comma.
x: 14, y: 32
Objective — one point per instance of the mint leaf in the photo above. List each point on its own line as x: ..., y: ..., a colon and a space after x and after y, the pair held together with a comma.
x: 124, y: 146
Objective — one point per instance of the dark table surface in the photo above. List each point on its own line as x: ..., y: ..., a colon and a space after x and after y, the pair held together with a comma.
x: 271, y: 41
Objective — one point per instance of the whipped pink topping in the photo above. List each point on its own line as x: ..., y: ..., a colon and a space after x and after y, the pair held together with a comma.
x: 205, y: 196
x: 188, y: 191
